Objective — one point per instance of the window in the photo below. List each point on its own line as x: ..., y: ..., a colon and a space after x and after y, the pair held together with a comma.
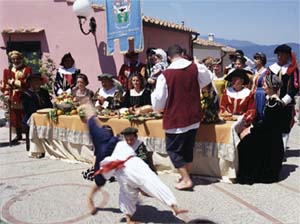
x: 30, y: 50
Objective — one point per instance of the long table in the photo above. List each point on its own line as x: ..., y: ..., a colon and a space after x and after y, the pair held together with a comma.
x: 214, y: 153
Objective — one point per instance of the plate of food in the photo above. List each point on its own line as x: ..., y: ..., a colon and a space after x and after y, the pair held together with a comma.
x: 230, y: 118
x: 107, y: 116
x: 226, y: 116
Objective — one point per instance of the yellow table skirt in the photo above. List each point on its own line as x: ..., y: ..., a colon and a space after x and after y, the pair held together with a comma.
x: 214, y: 152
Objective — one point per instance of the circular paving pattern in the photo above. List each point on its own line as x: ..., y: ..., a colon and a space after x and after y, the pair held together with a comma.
x: 63, y: 196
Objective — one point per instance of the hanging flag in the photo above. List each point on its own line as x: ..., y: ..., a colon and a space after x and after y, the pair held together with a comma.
x: 124, y: 22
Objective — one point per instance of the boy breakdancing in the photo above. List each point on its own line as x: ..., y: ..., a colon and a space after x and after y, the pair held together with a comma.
x: 132, y: 173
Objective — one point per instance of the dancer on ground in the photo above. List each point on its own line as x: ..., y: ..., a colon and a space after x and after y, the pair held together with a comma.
x: 128, y: 166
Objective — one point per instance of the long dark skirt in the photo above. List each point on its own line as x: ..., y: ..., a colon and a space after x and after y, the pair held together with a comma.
x: 260, y: 158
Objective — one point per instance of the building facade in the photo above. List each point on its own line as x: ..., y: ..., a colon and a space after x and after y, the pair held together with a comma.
x: 203, y: 48
x: 50, y: 27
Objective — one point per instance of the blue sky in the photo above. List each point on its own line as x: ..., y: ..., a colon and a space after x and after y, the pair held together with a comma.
x: 259, y: 21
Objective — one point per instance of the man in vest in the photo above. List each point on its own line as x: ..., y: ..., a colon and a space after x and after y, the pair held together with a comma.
x: 177, y: 93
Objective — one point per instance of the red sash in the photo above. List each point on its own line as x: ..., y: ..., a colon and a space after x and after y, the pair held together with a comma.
x: 117, y: 164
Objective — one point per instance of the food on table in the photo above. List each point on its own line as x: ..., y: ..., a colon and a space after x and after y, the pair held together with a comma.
x: 226, y: 114
x: 232, y: 118
x: 108, y: 113
x: 139, y: 114
x: 59, y: 112
x: 73, y: 112
x: 143, y: 110
x: 64, y: 102
x: 143, y: 117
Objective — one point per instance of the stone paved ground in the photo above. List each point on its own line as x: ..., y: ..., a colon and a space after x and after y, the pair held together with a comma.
x: 49, y: 191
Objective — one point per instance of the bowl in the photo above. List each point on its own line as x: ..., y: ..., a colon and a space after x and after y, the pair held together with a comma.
x: 65, y: 107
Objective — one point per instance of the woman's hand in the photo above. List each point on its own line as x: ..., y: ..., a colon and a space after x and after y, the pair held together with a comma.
x: 101, y: 99
x: 245, y: 132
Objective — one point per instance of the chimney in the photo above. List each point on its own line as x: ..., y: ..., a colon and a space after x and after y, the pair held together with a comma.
x: 211, y: 37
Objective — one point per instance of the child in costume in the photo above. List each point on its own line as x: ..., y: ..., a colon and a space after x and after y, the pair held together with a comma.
x: 134, y: 176
x: 104, y: 143
x: 160, y: 65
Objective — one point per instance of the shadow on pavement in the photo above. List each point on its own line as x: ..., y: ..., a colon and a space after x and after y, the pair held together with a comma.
x: 113, y: 210
x: 292, y: 153
x: 198, y: 180
x: 6, y: 144
x: 150, y: 214
x: 286, y: 170
x: 202, y: 221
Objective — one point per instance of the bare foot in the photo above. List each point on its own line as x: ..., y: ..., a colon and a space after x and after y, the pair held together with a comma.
x: 91, y: 206
x: 184, y: 185
x: 130, y: 221
x: 178, y: 210
x: 178, y: 180
x: 133, y: 222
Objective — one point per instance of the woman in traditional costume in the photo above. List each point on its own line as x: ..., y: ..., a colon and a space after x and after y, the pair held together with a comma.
x: 137, y: 95
x: 260, y: 61
x: 261, y: 150
x: 218, y: 78
x: 80, y: 92
x: 238, y: 99
x: 109, y: 96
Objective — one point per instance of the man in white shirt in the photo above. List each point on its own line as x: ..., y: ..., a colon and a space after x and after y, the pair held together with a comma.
x: 177, y: 93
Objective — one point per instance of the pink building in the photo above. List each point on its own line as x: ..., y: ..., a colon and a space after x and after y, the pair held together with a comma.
x: 51, y: 27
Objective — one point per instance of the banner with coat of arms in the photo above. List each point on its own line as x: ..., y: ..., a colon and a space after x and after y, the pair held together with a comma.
x: 124, y: 22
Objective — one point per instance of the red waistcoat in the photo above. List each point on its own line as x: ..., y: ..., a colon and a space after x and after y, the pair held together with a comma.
x: 183, y: 104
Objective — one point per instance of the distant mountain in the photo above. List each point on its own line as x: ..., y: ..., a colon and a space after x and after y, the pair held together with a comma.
x: 236, y: 43
x: 249, y: 48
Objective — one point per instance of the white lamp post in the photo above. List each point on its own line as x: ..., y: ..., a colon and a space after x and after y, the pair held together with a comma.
x: 82, y: 10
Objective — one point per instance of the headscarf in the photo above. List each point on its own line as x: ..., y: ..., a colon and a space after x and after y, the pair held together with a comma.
x: 273, y: 81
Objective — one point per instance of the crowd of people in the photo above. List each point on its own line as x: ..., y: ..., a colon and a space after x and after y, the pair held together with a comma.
x: 187, y: 92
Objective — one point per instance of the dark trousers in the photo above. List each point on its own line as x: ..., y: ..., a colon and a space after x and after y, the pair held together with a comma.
x: 180, y: 147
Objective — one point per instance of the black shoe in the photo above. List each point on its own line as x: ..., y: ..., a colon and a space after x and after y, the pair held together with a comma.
x: 112, y: 179
x: 16, y: 139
